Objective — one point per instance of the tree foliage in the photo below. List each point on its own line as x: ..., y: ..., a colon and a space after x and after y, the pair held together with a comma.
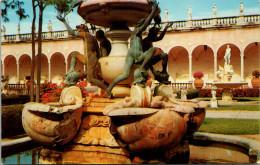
x: 62, y: 6
x: 15, y: 5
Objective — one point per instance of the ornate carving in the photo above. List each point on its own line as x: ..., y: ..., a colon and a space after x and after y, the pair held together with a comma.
x: 54, y: 124
x: 95, y: 131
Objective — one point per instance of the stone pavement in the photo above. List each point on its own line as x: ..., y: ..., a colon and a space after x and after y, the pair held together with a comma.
x: 233, y: 114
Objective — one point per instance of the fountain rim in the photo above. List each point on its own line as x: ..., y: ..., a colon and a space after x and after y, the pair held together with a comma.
x: 142, y: 7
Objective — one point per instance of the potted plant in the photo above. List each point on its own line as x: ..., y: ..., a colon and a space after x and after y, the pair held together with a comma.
x: 198, y: 82
x: 255, y: 80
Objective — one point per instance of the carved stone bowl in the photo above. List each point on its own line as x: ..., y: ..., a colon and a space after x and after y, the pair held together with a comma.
x: 105, y: 12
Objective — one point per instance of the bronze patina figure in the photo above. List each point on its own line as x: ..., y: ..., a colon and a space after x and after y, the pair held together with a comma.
x: 91, y: 53
x: 136, y: 55
x: 161, y: 76
x: 105, y: 45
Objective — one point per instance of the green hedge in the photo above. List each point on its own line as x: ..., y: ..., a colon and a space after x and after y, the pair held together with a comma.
x: 14, y: 99
x: 191, y: 94
x: 12, y: 120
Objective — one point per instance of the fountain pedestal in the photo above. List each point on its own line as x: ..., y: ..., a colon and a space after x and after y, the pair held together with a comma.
x: 227, y: 96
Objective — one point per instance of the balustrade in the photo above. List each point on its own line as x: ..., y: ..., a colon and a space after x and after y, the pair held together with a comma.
x: 19, y: 89
x: 177, y: 25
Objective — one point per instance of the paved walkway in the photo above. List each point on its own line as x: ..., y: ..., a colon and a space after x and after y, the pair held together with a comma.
x: 233, y: 114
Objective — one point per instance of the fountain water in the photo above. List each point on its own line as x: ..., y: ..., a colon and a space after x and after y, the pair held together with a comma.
x: 141, y: 127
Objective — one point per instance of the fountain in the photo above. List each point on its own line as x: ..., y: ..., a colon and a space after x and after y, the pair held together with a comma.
x: 136, y: 126
x: 224, y: 78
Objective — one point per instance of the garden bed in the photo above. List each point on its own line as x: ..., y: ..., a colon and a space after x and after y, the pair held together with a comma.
x: 12, y: 120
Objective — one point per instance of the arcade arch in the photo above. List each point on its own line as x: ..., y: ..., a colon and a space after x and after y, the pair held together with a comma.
x: 24, y: 66
x: 203, y: 60
x: 44, y: 68
x: 178, y: 64
x: 58, y: 67
x: 10, y: 69
x: 251, y: 59
x: 79, y: 65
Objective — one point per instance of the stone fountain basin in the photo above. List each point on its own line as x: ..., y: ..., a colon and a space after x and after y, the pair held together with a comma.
x: 105, y: 12
x: 151, y: 133
x: 149, y: 130
x: 229, y: 84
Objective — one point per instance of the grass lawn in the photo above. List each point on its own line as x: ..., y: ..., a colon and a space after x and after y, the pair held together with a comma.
x: 239, y: 99
x: 230, y: 126
x: 236, y: 107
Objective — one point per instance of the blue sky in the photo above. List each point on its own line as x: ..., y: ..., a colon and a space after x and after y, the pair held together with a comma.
x: 177, y: 10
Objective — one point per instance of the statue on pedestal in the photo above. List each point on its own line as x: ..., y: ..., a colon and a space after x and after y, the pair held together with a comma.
x: 190, y: 13
x: 213, y: 101
x: 241, y: 9
x: 166, y: 16
x: 49, y: 26
x: 227, y: 56
x: 214, y: 9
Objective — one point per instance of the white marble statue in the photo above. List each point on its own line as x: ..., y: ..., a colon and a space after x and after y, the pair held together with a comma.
x: 241, y: 9
x: 190, y: 13
x: 18, y: 28
x: 166, y: 17
x: 227, y: 55
x: 214, y: 9
x: 183, y: 94
x: 3, y: 29
x: 213, y: 101
x: 50, y: 26
x: 214, y: 93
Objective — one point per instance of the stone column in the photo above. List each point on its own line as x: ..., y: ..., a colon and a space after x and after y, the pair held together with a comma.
x: 66, y: 66
x: 215, y: 66
x: 18, y: 72
x: 3, y: 68
x: 190, y: 67
x: 49, y: 66
x: 85, y: 68
x: 242, y: 66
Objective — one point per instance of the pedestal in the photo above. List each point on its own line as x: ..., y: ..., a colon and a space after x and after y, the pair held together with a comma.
x: 213, y: 103
x: 227, y: 95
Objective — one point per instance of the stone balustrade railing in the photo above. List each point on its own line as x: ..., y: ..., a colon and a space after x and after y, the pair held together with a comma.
x: 177, y: 25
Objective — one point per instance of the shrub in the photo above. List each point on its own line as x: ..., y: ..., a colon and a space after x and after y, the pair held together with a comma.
x: 238, y: 92
x: 207, y: 93
x: 191, y: 94
x: 51, y: 92
x: 256, y: 73
x: 198, y: 75
x: 14, y: 99
x: 12, y: 120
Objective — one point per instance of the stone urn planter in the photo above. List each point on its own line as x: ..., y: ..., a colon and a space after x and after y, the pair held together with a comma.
x: 198, y: 82
x: 255, y: 80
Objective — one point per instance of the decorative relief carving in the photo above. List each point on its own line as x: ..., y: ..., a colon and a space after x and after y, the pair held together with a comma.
x: 95, y: 131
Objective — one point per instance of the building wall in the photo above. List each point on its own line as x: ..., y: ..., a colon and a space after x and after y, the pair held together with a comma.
x: 189, y: 51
